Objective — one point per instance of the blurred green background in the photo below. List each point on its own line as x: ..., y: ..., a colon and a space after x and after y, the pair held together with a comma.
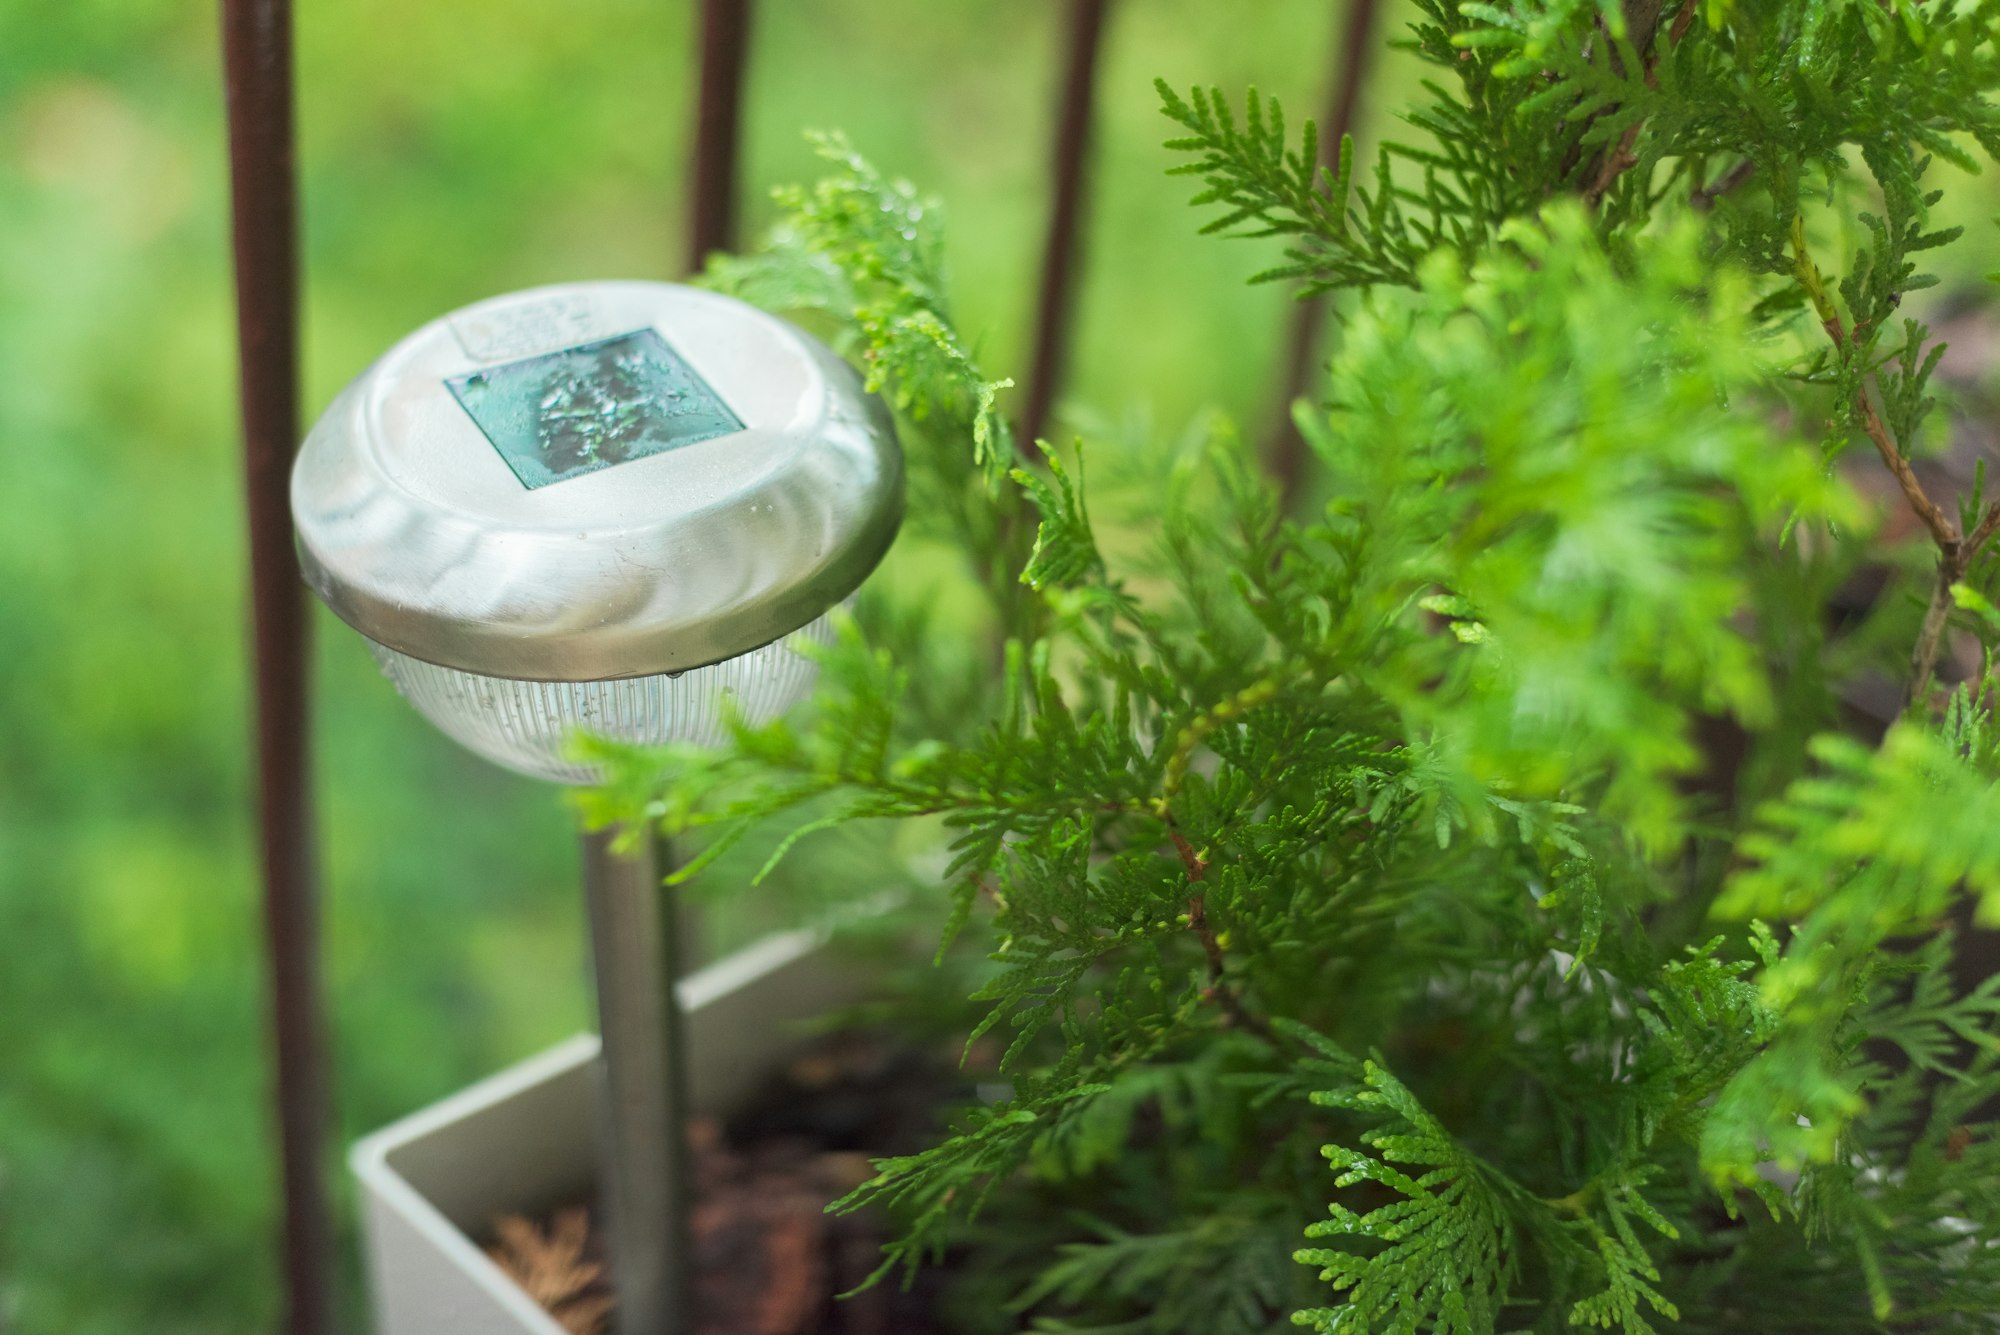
x: 450, y: 151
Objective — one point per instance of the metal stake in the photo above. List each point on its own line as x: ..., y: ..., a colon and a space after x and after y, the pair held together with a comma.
x: 257, y: 62
x: 645, y: 1174
x: 1054, y: 311
x: 1286, y: 448
x: 718, y: 129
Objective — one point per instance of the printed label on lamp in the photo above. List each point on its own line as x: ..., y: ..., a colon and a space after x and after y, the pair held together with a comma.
x: 495, y: 330
x: 567, y: 413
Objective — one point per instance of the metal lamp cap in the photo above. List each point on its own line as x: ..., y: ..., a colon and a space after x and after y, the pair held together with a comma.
x: 596, y: 481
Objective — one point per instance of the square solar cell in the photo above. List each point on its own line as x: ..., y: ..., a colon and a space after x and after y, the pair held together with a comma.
x: 562, y: 414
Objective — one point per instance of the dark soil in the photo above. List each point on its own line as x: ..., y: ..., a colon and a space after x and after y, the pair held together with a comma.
x: 770, y: 1259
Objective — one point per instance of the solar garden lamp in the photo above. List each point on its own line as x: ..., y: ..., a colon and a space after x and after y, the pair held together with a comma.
x: 611, y: 508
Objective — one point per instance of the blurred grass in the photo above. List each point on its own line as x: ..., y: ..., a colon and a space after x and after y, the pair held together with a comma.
x: 450, y: 151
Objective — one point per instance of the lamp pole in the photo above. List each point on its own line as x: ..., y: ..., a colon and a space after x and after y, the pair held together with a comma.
x: 642, y: 1106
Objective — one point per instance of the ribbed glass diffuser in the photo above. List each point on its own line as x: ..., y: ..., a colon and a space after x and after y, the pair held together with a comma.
x: 529, y: 726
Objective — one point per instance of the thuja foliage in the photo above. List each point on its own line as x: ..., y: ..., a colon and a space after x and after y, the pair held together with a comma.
x: 1461, y: 899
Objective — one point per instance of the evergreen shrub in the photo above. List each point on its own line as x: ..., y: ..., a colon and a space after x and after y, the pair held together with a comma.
x: 1464, y: 896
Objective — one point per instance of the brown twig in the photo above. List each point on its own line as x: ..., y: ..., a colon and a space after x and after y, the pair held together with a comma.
x: 1955, y: 550
x: 1989, y: 524
x: 1704, y: 199
x: 1930, y: 636
x: 1198, y: 908
x: 1621, y: 158
x: 1197, y: 730
x: 1953, y: 563
x: 1615, y: 163
x: 1218, y: 990
x: 1683, y: 21
x: 1942, y: 529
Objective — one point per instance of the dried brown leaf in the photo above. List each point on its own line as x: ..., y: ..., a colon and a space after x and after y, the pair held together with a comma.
x: 553, y: 1269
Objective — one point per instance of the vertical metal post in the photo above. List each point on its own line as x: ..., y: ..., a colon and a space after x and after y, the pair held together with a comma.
x: 257, y: 60
x: 1286, y: 451
x: 640, y: 937
x: 718, y: 126
x: 1082, y: 40
x: 645, y: 1177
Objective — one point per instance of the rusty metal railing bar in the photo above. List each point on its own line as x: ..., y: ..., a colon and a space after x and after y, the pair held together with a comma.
x: 1285, y: 450
x: 1055, y: 309
x: 718, y: 130
x: 257, y: 63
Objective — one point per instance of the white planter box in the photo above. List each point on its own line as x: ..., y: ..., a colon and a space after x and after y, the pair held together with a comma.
x: 523, y: 1141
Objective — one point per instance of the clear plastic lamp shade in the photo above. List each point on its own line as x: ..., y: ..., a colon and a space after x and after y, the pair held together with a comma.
x: 530, y: 726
